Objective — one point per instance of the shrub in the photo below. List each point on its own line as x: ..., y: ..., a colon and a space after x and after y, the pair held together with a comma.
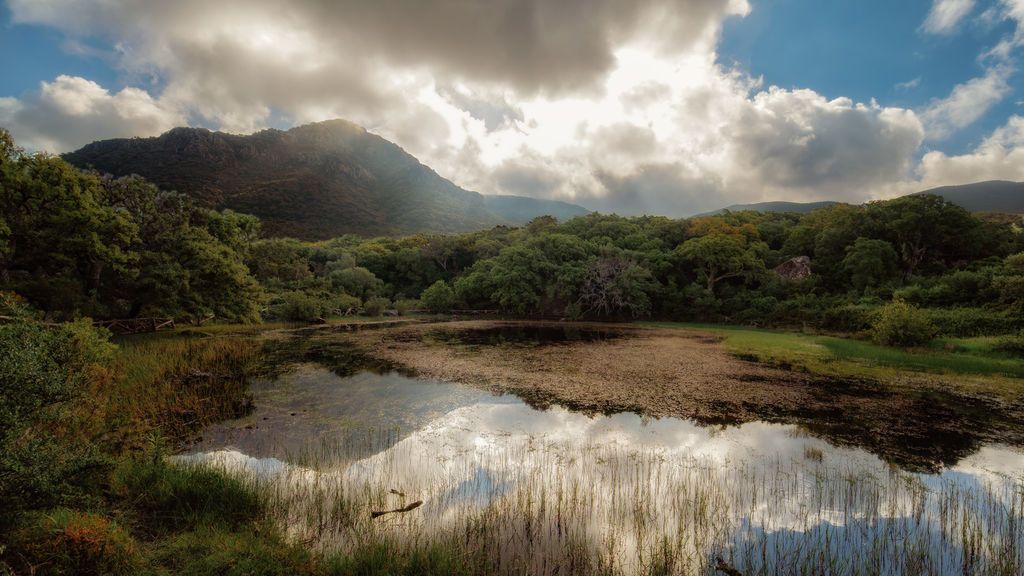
x: 343, y: 303
x: 299, y: 307
x: 1013, y: 344
x: 901, y: 324
x: 404, y: 305
x: 966, y: 322
x: 438, y: 297
x: 180, y: 497
x: 375, y: 306
x: 73, y: 542
x: 42, y: 369
x: 848, y: 318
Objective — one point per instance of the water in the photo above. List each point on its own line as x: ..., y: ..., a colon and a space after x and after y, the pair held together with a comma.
x: 624, y: 492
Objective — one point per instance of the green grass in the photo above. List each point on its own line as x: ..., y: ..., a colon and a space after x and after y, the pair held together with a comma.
x: 972, y: 359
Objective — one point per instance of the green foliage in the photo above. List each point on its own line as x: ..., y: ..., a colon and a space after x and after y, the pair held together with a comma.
x: 870, y: 262
x: 404, y: 305
x: 74, y: 542
x: 178, y: 497
x: 42, y: 370
x: 299, y: 306
x: 376, y: 306
x: 901, y: 324
x: 719, y: 256
x: 358, y: 282
x: 1013, y: 344
x: 969, y: 321
x: 438, y: 298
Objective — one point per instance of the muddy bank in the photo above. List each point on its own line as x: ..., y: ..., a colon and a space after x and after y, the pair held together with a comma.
x: 688, y: 374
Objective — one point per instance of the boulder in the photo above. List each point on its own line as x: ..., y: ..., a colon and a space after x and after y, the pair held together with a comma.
x: 797, y: 268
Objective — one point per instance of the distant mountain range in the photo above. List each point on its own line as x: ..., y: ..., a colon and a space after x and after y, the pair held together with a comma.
x: 312, y: 182
x: 991, y: 196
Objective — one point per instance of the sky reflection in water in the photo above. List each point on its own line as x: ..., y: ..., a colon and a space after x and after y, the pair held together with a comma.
x: 458, y: 448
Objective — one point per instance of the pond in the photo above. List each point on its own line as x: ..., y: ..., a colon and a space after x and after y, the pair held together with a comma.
x: 544, y: 490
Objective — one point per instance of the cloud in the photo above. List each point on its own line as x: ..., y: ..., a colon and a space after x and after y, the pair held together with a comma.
x: 946, y: 14
x: 967, y: 102
x: 70, y: 112
x: 999, y: 157
x: 620, y: 106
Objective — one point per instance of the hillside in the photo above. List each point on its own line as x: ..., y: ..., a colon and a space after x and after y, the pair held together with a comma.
x: 312, y: 182
x: 798, y: 207
x: 990, y: 196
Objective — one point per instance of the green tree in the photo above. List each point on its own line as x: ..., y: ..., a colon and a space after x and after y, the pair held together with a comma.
x: 899, y: 323
x: 438, y: 297
x: 870, y: 262
x: 358, y: 282
x: 616, y: 286
x: 719, y: 256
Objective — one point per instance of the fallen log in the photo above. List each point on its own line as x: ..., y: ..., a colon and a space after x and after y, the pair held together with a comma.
x: 410, y: 507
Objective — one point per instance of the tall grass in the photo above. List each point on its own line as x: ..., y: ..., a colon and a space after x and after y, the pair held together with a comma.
x: 535, y: 506
x: 172, y: 385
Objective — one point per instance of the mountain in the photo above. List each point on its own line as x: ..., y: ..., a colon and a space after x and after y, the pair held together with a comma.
x: 312, y: 182
x: 991, y: 196
x: 798, y: 207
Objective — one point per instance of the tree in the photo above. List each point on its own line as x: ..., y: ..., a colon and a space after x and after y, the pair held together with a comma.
x: 438, y: 297
x: 719, y: 256
x: 358, y: 282
x: 59, y: 239
x: 616, y: 286
x: 923, y: 228
x: 870, y: 262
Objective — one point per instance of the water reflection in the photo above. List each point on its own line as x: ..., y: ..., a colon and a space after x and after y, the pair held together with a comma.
x: 621, y: 490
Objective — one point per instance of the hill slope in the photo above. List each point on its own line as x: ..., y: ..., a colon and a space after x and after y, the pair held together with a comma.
x: 798, y: 207
x: 990, y: 196
x: 312, y: 182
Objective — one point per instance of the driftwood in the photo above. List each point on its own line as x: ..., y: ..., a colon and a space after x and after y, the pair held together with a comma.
x: 725, y: 567
x: 136, y: 325
x: 407, y: 508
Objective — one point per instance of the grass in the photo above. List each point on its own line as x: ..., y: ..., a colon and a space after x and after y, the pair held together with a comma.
x: 968, y: 363
x: 550, y: 506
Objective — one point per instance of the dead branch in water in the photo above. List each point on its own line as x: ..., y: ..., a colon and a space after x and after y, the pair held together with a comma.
x: 413, y: 506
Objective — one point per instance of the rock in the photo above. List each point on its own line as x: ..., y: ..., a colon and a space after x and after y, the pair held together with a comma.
x: 393, y: 313
x: 797, y: 268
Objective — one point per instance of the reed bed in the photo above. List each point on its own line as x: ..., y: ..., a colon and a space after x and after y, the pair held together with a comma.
x: 527, y: 504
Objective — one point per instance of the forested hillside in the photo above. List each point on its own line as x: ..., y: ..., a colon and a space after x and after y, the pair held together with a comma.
x: 313, y: 182
x: 73, y: 243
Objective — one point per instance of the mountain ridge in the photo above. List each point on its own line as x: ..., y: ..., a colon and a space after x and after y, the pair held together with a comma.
x: 1000, y: 196
x: 313, y: 181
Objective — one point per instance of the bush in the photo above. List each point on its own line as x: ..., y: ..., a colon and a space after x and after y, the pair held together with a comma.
x: 967, y: 322
x: 404, y: 305
x: 72, y: 542
x: 848, y: 318
x: 42, y: 370
x: 181, y: 497
x: 1013, y: 345
x: 375, y: 306
x: 901, y: 324
x: 299, y: 307
x: 438, y: 298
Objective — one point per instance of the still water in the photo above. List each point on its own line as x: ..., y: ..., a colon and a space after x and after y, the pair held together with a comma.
x: 626, y: 492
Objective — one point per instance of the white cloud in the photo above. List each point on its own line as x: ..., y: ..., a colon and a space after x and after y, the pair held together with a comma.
x: 967, y: 102
x: 623, y: 110
x: 998, y: 157
x: 946, y: 14
x: 71, y: 111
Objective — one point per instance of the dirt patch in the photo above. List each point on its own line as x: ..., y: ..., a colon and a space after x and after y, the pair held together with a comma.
x: 666, y: 372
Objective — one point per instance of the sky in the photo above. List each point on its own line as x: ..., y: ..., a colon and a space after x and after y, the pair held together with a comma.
x: 644, y: 107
